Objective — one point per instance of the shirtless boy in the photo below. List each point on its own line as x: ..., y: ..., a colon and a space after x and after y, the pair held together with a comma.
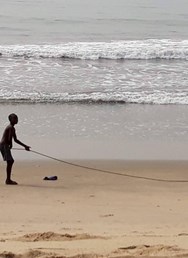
x: 6, y: 146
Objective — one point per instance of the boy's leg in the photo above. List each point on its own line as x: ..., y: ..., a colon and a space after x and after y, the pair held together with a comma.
x: 9, y: 171
x: 7, y: 156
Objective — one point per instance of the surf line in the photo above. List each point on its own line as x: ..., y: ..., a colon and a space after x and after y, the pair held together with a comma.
x: 105, y: 171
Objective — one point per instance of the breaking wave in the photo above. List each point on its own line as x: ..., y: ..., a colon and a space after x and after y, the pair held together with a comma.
x: 161, y: 98
x: 115, y: 50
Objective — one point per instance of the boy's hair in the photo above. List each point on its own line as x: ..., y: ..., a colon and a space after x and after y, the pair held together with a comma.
x: 11, y: 116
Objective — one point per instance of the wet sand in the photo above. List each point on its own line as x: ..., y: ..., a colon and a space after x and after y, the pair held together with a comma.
x: 87, y: 213
x: 84, y: 132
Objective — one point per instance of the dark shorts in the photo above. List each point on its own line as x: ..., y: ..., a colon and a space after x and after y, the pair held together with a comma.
x: 6, y: 153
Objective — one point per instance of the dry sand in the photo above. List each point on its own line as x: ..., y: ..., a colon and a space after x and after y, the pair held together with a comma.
x: 87, y: 213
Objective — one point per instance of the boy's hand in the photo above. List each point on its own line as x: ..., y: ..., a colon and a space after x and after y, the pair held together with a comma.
x: 27, y: 148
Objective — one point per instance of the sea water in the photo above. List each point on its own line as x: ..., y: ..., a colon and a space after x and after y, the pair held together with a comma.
x: 97, y: 79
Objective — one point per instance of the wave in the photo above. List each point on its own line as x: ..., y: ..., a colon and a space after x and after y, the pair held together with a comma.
x: 160, y: 98
x: 115, y: 50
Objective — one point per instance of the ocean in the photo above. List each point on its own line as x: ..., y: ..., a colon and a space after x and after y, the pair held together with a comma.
x: 97, y: 79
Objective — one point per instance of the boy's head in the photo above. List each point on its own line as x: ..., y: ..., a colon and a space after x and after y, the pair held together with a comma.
x: 13, y: 118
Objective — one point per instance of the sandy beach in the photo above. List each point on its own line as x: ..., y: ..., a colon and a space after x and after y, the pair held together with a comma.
x: 102, y: 84
x: 87, y: 213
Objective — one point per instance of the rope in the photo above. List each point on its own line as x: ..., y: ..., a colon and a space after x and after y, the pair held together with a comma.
x: 106, y: 171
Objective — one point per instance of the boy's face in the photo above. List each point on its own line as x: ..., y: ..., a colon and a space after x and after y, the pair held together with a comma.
x: 14, y: 120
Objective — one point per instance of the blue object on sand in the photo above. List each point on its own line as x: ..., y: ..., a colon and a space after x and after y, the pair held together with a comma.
x: 50, y: 178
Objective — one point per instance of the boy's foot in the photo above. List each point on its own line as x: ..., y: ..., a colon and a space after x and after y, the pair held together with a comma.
x: 10, y: 182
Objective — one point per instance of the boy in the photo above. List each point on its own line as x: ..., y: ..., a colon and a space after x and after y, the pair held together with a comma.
x: 6, y: 145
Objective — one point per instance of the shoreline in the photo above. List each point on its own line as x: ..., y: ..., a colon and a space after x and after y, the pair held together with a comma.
x: 92, y: 214
x: 101, y: 132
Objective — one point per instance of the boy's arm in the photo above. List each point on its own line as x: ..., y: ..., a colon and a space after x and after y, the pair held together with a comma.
x: 20, y: 143
x: 8, y: 132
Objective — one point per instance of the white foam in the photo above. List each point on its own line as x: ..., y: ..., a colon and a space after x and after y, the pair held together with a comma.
x: 137, y: 49
x: 96, y: 97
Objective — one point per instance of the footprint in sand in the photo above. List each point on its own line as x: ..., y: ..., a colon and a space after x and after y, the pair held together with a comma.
x: 183, y: 234
x: 52, y: 236
x: 148, y: 251
x: 107, y: 215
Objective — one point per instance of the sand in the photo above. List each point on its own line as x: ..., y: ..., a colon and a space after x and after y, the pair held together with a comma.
x: 87, y: 213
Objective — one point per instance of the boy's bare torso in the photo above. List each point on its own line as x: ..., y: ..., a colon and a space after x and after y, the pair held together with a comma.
x: 8, y: 134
